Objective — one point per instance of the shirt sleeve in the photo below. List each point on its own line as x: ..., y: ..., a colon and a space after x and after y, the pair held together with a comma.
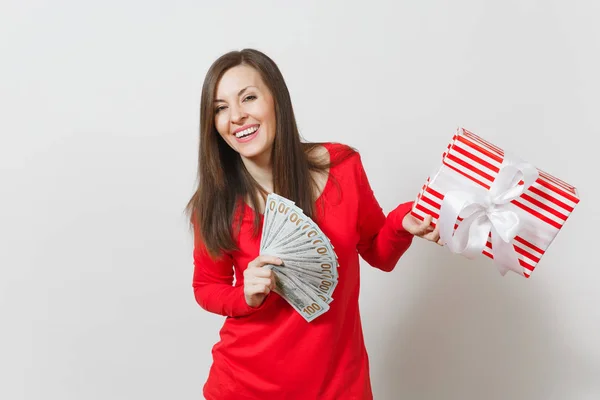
x: 382, y: 240
x: 213, y: 285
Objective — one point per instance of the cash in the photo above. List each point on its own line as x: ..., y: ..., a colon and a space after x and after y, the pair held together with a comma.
x: 309, y: 273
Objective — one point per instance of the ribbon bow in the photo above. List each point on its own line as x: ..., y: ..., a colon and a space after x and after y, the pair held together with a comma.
x: 484, y: 211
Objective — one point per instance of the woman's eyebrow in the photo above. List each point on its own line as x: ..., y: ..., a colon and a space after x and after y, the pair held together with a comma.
x: 239, y: 93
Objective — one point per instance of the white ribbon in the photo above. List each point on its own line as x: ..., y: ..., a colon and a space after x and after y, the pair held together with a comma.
x: 484, y: 211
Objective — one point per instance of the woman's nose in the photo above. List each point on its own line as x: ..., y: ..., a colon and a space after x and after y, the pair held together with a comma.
x: 237, y: 115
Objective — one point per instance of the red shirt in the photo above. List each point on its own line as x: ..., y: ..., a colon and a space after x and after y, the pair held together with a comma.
x: 271, y: 352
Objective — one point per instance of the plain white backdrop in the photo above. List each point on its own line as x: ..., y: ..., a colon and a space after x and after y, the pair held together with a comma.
x: 99, y: 130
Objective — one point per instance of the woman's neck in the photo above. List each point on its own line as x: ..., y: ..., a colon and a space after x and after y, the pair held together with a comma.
x: 261, y: 170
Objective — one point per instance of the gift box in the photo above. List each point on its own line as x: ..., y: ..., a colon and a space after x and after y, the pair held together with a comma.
x: 489, y: 202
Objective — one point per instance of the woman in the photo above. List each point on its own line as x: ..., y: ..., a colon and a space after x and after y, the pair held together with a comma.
x: 249, y: 147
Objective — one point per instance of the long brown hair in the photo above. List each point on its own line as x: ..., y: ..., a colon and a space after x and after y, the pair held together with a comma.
x: 224, y: 182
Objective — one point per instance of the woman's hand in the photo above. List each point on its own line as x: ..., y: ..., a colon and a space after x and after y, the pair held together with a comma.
x: 259, y: 281
x: 422, y: 229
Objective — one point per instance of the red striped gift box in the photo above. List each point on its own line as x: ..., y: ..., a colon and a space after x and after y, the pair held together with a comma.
x: 544, y: 207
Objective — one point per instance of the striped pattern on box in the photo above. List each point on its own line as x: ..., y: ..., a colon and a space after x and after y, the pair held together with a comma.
x: 545, y: 206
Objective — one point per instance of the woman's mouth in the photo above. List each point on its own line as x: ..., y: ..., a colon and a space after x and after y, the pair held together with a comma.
x: 247, y: 134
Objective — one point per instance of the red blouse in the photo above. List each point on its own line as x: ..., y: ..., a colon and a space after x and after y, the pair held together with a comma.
x: 271, y: 352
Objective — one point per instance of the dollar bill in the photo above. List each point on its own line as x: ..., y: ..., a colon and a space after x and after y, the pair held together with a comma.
x: 299, y: 295
x: 296, y: 223
x: 278, y: 210
x: 305, y: 285
x: 321, y: 285
x: 325, y: 270
x: 308, y: 240
x: 309, y: 274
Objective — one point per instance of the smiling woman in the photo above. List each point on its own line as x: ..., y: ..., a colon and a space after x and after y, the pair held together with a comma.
x: 249, y: 147
x: 245, y: 119
x: 243, y: 91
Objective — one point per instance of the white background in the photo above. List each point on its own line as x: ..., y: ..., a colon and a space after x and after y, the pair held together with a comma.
x: 99, y: 129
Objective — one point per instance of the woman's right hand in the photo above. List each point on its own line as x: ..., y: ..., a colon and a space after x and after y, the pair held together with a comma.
x: 259, y: 281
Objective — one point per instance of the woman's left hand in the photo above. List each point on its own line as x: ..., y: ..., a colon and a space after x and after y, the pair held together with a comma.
x: 422, y: 229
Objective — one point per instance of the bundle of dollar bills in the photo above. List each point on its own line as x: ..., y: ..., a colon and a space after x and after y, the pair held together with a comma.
x: 309, y: 273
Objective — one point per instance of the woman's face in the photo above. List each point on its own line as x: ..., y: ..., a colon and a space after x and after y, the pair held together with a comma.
x: 245, y: 113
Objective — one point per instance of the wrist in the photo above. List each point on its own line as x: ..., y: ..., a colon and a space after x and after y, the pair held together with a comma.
x: 403, y: 212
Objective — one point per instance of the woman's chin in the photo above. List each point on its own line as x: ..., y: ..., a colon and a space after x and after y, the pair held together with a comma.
x: 253, y: 153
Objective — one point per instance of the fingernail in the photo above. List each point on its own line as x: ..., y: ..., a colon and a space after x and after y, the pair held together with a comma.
x: 279, y: 261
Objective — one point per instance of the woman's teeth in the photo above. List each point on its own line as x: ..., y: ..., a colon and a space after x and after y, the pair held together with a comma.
x: 246, y: 132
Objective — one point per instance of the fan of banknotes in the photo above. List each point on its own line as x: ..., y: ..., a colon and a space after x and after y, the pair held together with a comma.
x: 309, y: 272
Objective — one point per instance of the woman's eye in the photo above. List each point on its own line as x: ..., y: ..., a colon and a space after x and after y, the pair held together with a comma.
x: 219, y: 109
x: 250, y: 97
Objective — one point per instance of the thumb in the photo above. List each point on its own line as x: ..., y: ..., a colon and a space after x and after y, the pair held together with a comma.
x: 422, y: 228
